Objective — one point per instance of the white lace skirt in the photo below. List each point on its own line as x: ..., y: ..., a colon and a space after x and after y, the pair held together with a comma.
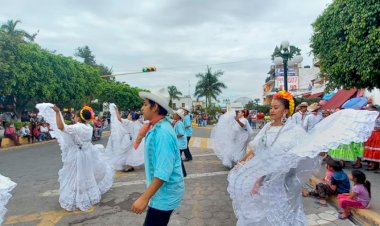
x: 83, y: 178
x: 229, y: 141
x: 6, y: 186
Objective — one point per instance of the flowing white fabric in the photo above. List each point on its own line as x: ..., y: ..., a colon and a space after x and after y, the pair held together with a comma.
x: 279, y: 167
x: 119, y: 151
x: 84, y: 176
x: 230, y: 139
x: 6, y: 186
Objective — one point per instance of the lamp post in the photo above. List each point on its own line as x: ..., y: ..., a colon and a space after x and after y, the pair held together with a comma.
x: 286, y: 60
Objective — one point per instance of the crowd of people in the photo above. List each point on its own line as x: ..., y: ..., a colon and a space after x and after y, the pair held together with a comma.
x: 265, y: 181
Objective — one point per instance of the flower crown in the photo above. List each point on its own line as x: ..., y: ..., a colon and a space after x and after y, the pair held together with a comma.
x: 287, y: 96
x: 88, y: 109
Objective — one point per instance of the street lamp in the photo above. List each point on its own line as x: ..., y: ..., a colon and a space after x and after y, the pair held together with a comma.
x: 285, y: 59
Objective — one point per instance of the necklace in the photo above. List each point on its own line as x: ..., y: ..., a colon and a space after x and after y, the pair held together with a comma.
x: 265, y: 137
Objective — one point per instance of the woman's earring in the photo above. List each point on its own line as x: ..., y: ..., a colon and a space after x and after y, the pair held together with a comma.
x: 284, y: 118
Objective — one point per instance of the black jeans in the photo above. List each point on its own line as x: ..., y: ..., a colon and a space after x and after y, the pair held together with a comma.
x: 183, y: 166
x: 155, y: 217
x: 188, y: 155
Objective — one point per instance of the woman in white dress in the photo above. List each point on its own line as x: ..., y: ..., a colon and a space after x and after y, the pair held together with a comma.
x: 266, y: 189
x: 84, y: 177
x: 6, y: 186
x: 120, y: 152
x: 230, y: 137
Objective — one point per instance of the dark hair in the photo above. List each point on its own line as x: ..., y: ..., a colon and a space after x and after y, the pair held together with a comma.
x: 86, y: 115
x: 135, y: 116
x: 284, y: 102
x: 161, y: 110
x: 334, y: 164
x: 361, y: 179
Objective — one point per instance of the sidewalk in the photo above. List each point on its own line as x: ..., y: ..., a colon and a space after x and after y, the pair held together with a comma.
x: 370, y: 216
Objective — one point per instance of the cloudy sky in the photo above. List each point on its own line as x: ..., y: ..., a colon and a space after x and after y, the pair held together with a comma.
x: 178, y: 37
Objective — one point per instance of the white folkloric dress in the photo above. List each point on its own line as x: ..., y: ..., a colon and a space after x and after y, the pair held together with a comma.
x: 84, y: 176
x: 6, y: 186
x: 230, y: 139
x: 284, y: 157
x: 119, y: 151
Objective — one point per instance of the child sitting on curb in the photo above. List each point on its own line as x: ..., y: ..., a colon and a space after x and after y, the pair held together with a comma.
x: 359, y: 197
x: 335, y: 182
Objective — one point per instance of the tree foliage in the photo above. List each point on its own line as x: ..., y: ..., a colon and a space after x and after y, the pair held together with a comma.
x: 209, y: 86
x: 293, y: 50
x: 346, y: 40
x: 86, y: 54
x: 174, y: 93
x: 30, y: 74
x: 9, y: 28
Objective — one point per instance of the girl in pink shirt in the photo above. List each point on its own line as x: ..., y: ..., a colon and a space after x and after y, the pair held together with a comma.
x: 359, y: 197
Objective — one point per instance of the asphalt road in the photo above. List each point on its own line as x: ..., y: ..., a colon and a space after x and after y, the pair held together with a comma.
x: 206, y: 202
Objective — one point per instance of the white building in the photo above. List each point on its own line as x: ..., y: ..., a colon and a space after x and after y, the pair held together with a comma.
x: 182, y: 102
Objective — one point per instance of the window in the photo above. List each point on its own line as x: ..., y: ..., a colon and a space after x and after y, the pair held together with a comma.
x: 174, y: 105
x: 183, y: 105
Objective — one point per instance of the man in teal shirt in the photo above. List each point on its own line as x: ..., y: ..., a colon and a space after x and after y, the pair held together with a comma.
x: 165, y: 185
x: 189, y: 132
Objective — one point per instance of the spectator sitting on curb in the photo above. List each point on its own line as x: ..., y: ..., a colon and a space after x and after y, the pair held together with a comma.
x: 25, y: 132
x: 10, y: 133
x: 1, y: 132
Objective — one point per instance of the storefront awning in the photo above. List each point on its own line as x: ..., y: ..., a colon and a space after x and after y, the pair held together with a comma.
x: 339, y: 98
x: 315, y: 95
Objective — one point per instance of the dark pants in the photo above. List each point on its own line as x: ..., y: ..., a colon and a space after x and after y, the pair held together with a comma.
x: 1, y: 140
x: 183, y: 166
x: 13, y: 137
x: 155, y: 217
x: 322, y: 191
x: 188, y: 155
x: 27, y: 136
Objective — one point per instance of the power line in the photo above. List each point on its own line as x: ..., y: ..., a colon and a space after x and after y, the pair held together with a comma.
x: 176, y: 67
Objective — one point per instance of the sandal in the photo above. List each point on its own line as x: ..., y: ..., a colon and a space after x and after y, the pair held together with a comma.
x: 319, y: 203
x: 128, y: 170
x: 305, y: 193
x: 340, y: 216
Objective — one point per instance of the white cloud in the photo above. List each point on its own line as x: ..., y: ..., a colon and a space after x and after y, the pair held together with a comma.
x: 128, y: 35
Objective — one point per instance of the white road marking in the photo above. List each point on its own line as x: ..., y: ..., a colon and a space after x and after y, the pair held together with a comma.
x: 202, y: 155
x: 52, y: 193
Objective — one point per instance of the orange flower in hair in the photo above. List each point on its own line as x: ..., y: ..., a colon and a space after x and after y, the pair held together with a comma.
x: 287, y: 96
x: 88, y: 108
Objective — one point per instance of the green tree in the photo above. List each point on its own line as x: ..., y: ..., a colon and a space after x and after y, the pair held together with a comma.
x: 86, y: 54
x: 346, y: 40
x: 123, y: 95
x: 209, y: 86
x: 293, y: 50
x: 9, y: 28
x: 173, y: 94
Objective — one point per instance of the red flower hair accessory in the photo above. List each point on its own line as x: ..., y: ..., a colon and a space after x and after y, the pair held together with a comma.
x: 287, y: 96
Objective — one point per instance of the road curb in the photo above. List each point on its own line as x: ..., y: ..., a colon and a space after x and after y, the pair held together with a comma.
x: 13, y: 148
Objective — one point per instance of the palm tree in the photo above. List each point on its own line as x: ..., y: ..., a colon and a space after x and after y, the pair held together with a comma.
x: 209, y: 86
x: 9, y: 28
x: 173, y: 94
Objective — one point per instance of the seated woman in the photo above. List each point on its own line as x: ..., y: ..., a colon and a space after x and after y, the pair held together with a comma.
x: 10, y: 133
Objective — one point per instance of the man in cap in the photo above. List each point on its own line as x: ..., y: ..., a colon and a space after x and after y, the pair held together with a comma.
x: 313, y: 118
x: 164, y: 177
x: 299, y: 116
x: 188, y: 132
x: 179, y: 129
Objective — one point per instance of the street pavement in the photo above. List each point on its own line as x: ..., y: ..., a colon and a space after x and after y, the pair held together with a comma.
x: 206, y: 202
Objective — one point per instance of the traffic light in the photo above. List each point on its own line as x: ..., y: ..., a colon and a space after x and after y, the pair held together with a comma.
x: 149, y: 69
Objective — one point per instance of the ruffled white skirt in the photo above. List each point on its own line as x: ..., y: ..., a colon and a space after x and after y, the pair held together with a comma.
x: 229, y: 140
x: 6, y: 186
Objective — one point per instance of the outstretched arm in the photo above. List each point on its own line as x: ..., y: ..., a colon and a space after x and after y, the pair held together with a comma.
x: 118, y: 116
x: 58, y: 117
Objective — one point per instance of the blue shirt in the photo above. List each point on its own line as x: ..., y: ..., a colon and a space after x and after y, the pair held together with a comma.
x: 341, y: 181
x: 163, y: 161
x: 187, y: 122
x: 179, y: 129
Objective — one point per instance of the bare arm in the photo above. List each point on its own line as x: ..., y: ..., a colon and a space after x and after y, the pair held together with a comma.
x: 247, y: 156
x: 179, y: 135
x: 142, y: 202
x: 240, y: 123
x: 58, y: 118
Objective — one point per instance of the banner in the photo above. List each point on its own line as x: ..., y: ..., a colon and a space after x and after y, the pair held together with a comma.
x: 293, y: 82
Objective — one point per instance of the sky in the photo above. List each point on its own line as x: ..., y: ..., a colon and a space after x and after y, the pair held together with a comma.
x: 180, y: 38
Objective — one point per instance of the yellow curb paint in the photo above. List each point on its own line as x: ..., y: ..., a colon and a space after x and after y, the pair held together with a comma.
x: 124, y: 174
x: 49, y: 218
x: 204, y: 142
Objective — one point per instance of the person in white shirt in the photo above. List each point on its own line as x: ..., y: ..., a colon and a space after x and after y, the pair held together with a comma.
x: 25, y: 132
x: 300, y: 116
x: 313, y: 118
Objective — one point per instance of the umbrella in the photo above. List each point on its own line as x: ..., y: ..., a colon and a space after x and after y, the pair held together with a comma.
x: 355, y: 103
x: 328, y: 96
